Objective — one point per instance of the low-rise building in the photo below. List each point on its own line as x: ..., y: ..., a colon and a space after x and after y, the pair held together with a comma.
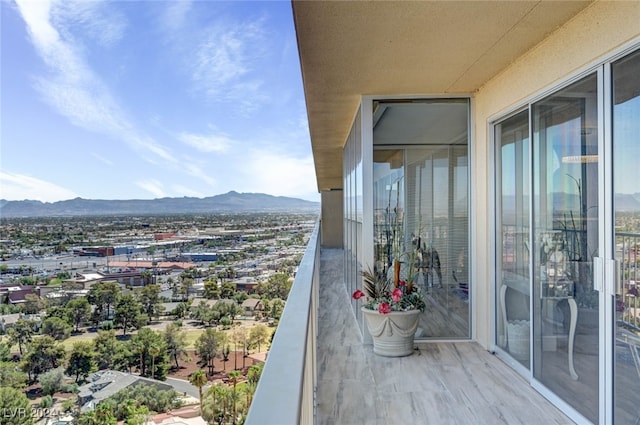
x: 251, y: 306
x: 106, y: 383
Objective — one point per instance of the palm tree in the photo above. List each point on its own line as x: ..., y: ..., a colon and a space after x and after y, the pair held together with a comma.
x: 198, y: 379
x: 233, y: 377
x: 250, y: 389
x: 215, y: 395
x: 153, y: 352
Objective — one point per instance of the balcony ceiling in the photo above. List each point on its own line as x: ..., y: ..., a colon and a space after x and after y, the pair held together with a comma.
x: 349, y: 48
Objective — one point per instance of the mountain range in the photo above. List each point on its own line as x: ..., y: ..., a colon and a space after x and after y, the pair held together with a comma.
x: 224, y: 203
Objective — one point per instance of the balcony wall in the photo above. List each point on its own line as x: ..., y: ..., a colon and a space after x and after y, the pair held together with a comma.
x: 286, y: 390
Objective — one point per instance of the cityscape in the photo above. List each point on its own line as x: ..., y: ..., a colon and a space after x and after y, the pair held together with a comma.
x: 131, y: 317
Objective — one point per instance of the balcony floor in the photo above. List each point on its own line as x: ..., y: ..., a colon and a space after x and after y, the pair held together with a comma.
x: 441, y: 383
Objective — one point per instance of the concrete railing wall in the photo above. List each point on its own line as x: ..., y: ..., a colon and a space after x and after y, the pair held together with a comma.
x: 286, y: 391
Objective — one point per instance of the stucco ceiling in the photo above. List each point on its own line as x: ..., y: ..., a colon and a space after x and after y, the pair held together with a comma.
x: 349, y: 48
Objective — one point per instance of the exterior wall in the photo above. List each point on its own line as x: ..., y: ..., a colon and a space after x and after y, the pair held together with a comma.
x: 332, y: 219
x: 592, y: 36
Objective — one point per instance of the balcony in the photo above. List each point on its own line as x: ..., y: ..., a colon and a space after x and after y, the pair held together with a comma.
x: 335, y: 379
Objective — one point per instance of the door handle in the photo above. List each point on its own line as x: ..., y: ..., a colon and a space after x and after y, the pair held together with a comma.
x: 606, y: 276
x: 598, y: 274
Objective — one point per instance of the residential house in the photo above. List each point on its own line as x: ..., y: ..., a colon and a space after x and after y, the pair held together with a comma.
x: 500, y: 138
x: 8, y: 320
x: 20, y: 296
x: 251, y: 306
x: 14, y: 292
x: 105, y: 383
x: 246, y: 284
x: 88, y: 279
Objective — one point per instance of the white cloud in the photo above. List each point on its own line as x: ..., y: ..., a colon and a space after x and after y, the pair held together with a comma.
x: 152, y: 186
x: 19, y: 187
x: 211, y: 143
x: 73, y: 89
x: 195, y: 171
x: 227, y: 53
x: 94, y: 18
x: 276, y: 173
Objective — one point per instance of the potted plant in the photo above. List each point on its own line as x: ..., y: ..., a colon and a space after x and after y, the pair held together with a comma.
x: 391, y: 309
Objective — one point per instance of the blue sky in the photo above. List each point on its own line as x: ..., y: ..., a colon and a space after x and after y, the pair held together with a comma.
x: 151, y: 99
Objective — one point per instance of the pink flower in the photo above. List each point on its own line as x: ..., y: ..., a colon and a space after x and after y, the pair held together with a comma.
x: 357, y: 294
x: 384, y: 308
x: 396, y: 295
x: 402, y: 283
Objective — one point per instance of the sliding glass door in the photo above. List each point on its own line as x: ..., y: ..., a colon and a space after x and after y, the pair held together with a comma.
x: 565, y: 241
x: 626, y: 201
x: 567, y: 285
x: 512, y: 238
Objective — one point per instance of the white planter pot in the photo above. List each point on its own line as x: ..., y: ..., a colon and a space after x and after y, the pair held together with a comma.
x: 392, y: 333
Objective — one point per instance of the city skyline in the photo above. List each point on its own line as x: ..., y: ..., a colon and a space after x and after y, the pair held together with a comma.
x: 145, y: 100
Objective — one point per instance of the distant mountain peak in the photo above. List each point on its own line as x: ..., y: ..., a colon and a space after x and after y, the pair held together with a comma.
x: 231, y: 201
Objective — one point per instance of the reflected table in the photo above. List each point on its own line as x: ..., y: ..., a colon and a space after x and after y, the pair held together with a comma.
x: 522, y: 286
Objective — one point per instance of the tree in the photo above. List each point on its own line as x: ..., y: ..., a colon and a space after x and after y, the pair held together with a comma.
x: 217, y: 395
x: 51, y: 380
x: 150, y: 396
x: 33, y: 304
x: 234, y: 376
x: 240, y: 338
x: 15, y: 405
x: 104, y: 345
x: 176, y: 342
x: 127, y: 309
x: 153, y: 352
x: 176, y: 291
x: 21, y: 332
x: 149, y: 298
x: 211, y: 289
x: 56, y: 328
x: 227, y: 290
x: 5, y: 351
x: 226, y: 350
x: 186, y: 283
x: 11, y: 375
x: 199, y: 379
x: 277, y: 286
x: 102, y: 415
x: 254, y: 372
x: 277, y: 307
x: 253, y: 376
x: 201, y: 312
x: 81, y: 360
x: 104, y: 296
x: 147, y: 277
x: 141, y: 347
x: 43, y: 354
x: 207, y: 347
x: 258, y: 335
x: 79, y: 310
x: 239, y: 297
x: 59, y: 312
x: 135, y: 414
x: 182, y: 309
x: 111, y: 353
